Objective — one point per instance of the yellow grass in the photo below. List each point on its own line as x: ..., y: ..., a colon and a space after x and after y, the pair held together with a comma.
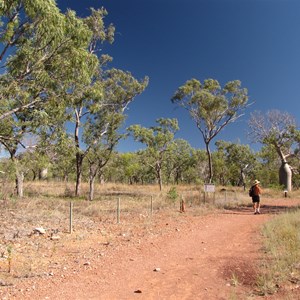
x: 47, y: 204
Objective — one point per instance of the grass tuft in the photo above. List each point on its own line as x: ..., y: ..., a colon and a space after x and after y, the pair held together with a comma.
x: 282, y: 244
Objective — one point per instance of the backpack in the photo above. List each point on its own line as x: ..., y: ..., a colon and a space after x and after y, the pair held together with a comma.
x: 251, y: 191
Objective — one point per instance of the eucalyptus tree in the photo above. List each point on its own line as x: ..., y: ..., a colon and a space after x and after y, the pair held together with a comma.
x: 97, y: 91
x: 41, y: 48
x: 276, y: 129
x: 101, y: 146
x: 61, y: 152
x: 157, y: 140
x: 41, y: 51
x: 38, y: 163
x: 96, y: 110
x: 128, y: 167
x: 179, y: 159
x: 141, y: 169
x: 270, y: 163
x: 221, y: 170
x: 240, y: 161
x: 212, y: 107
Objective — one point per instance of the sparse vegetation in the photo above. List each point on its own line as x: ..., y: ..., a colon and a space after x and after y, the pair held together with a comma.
x: 45, y: 204
x: 282, y: 257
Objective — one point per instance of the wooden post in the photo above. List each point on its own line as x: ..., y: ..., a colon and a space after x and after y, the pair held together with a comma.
x: 151, y: 206
x: 71, y: 217
x: 182, y: 205
x: 118, y: 210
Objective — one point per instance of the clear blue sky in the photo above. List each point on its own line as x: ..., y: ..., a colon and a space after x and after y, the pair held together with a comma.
x: 172, y: 41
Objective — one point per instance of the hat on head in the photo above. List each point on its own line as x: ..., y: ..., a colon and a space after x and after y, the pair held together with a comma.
x: 256, y: 181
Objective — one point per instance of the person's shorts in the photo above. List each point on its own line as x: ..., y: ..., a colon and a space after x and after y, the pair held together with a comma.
x: 255, y: 199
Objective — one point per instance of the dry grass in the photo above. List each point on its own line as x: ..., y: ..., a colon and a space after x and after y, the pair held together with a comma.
x: 282, y: 242
x: 47, y: 205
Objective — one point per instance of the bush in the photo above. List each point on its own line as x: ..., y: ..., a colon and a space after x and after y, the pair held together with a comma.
x: 172, y: 194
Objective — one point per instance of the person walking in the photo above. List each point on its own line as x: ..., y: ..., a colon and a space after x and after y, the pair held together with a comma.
x: 256, y: 192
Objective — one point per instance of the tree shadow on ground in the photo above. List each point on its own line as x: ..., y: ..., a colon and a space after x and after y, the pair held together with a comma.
x: 265, y: 209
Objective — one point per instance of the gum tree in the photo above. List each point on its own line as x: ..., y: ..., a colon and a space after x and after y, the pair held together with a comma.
x: 239, y: 161
x: 96, y: 111
x: 179, y: 160
x: 157, y: 140
x: 211, y: 107
x: 40, y: 49
x: 98, y: 94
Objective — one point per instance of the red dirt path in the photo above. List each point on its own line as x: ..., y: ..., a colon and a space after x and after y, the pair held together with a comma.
x: 187, y: 257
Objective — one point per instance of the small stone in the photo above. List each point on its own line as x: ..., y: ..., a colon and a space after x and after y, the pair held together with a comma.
x: 156, y: 270
x: 39, y: 230
x: 87, y: 263
x: 55, y: 237
x: 138, y: 291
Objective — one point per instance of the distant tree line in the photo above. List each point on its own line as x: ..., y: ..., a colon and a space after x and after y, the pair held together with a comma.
x: 234, y: 165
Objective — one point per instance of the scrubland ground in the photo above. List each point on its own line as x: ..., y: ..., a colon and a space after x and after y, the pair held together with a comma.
x: 133, y: 242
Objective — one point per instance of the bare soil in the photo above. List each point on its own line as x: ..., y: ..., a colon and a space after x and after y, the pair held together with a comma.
x: 172, y: 255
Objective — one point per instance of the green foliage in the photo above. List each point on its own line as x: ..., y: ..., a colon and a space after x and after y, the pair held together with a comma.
x: 158, y: 140
x: 212, y: 107
x: 232, y: 160
x: 48, y: 51
x: 172, y: 194
x: 53, y: 70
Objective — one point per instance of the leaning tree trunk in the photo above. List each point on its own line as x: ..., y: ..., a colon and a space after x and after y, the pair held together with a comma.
x: 285, y: 176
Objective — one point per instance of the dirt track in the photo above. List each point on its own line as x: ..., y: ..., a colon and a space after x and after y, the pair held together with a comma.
x: 188, y: 257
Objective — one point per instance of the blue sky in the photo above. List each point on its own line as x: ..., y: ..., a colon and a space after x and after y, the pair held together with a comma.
x: 172, y: 41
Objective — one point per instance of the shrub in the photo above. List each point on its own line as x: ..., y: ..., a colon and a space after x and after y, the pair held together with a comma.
x: 172, y: 194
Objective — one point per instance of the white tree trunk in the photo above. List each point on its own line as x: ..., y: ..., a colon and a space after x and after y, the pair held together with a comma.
x: 91, y: 192
x: 285, y: 176
x: 19, y: 183
x: 43, y: 173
